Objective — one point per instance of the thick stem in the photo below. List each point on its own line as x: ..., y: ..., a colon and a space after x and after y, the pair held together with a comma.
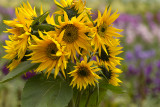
x: 88, y: 100
x: 89, y: 95
x: 78, y: 98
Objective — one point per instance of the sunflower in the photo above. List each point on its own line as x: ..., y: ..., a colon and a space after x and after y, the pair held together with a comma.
x: 111, y: 75
x: 20, y: 33
x: 72, y: 7
x: 21, y: 25
x: 84, y: 74
x: 109, y: 59
x: 11, y: 50
x: 104, y: 30
x: 71, y: 33
x: 48, y: 52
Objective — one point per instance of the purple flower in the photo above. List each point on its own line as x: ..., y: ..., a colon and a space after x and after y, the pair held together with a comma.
x: 129, y: 56
x: 94, y: 58
x: 95, y: 15
x: 158, y: 65
x: 77, y: 55
x: 138, y: 50
x: 157, y: 83
x: 149, y: 16
x: 126, y: 18
x: 28, y: 75
x: 3, y: 37
x: 5, y: 70
x: 10, y: 12
x: 147, y: 72
x: 7, y: 11
x: 156, y: 90
x: 132, y: 70
x: 143, y: 54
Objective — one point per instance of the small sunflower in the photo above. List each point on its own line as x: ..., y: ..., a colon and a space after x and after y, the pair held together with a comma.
x: 112, y: 75
x: 72, y: 34
x: 72, y: 7
x: 104, y: 30
x: 109, y: 59
x: 20, y: 33
x: 49, y: 54
x: 84, y: 74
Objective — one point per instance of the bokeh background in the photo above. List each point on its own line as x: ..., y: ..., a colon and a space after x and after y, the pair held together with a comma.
x: 140, y: 20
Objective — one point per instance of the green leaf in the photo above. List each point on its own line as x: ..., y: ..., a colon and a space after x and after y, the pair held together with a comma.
x: 43, y: 17
x: 95, y: 98
x: 42, y: 27
x: 70, y: 66
x: 90, y: 18
x: 116, y: 89
x: 42, y: 92
x: 40, y: 18
x: 2, y: 53
x: 56, y: 18
x: 19, y: 70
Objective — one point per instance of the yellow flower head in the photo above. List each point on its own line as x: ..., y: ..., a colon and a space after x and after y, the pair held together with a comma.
x: 21, y: 25
x: 104, y: 30
x: 72, y: 7
x: 111, y: 75
x: 49, y: 54
x: 71, y: 33
x: 84, y: 74
x: 109, y: 58
x: 20, y: 31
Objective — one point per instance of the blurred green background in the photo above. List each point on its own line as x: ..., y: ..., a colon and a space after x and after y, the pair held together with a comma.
x: 140, y: 20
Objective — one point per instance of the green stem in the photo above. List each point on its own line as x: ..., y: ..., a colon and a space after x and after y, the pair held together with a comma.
x: 89, y: 95
x: 87, y: 100
x: 66, y: 75
x: 78, y: 98
x: 104, y: 76
x: 71, y: 103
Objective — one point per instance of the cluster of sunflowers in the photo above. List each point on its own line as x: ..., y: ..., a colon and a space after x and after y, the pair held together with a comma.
x: 67, y: 36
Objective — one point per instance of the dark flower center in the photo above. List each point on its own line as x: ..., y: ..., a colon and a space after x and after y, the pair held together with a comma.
x: 104, y: 56
x: 53, y: 52
x: 83, y: 71
x: 52, y: 49
x: 107, y: 73
x: 102, y: 30
x: 70, y: 34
